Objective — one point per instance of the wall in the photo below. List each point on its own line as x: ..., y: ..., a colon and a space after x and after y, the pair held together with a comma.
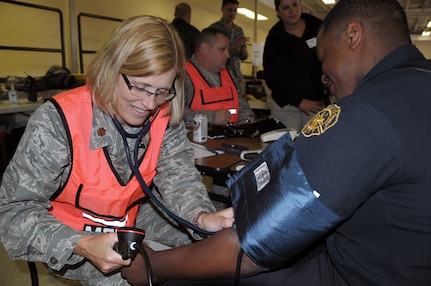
x: 201, y: 18
x: 41, y: 29
x: 423, y: 45
x: 29, y: 27
x: 22, y: 26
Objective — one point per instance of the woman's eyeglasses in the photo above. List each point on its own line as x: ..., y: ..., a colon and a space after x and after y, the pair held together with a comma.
x: 160, y: 94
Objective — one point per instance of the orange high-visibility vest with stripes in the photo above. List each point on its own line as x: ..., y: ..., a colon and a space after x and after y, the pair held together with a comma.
x: 94, y: 198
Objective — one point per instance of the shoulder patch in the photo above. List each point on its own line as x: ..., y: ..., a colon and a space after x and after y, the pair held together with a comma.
x: 322, y: 121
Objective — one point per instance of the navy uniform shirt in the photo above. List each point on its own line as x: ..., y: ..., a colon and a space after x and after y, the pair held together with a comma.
x: 370, y: 160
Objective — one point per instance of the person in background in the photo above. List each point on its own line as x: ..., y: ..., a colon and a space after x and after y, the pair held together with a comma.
x: 69, y: 185
x: 237, y: 40
x: 187, y: 32
x: 366, y: 160
x: 209, y: 87
x: 291, y: 68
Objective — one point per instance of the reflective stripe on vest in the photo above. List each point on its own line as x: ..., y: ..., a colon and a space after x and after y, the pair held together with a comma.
x: 93, y: 198
x: 213, y: 98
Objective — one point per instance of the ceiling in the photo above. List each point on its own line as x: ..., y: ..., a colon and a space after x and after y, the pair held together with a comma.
x: 418, y: 11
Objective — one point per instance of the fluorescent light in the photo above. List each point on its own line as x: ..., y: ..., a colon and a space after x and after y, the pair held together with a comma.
x: 426, y: 33
x: 328, y: 2
x: 250, y: 14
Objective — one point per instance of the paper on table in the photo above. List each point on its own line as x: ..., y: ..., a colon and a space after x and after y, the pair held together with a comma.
x: 201, y: 151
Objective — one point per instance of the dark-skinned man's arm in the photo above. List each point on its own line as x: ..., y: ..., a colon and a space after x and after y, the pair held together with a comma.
x: 213, y: 257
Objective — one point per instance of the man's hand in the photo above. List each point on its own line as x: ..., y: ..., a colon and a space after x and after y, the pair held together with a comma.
x: 222, y: 117
x: 238, y: 43
x: 310, y: 106
x: 136, y: 274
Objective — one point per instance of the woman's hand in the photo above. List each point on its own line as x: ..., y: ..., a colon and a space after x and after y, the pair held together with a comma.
x: 216, y: 221
x: 99, y: 249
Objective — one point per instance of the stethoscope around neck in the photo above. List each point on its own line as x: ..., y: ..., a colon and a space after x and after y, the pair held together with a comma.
x: 134, y: 165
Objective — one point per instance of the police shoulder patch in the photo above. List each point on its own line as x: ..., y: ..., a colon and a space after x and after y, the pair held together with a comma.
x: 322, y: 121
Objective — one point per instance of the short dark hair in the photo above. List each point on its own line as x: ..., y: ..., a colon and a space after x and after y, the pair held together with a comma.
x: 385, y: 18
x: 225, y: 2
x: 182, y: 10
x: 209, y: 36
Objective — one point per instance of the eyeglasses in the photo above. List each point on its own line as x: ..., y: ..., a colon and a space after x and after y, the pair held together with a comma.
x: 160, y: 94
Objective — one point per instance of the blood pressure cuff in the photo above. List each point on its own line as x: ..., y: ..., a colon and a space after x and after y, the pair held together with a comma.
x: 277, y: 213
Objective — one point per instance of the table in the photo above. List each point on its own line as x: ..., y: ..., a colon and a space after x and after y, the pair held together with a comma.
x: 217, y: 168
x: 222, y: 164
x: 23, y: 105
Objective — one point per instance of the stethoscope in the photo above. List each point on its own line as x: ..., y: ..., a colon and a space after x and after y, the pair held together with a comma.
x: 134, y: 165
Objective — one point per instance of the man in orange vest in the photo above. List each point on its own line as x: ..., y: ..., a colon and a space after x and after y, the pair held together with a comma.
x: 209, y: 87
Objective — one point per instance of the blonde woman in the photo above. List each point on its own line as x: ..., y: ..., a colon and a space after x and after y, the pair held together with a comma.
x: 71, y: 183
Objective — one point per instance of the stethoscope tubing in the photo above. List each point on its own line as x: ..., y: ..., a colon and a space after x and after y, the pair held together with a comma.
x: 134, y: 166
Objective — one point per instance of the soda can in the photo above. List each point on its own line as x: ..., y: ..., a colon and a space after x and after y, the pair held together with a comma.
x: 200, y: 128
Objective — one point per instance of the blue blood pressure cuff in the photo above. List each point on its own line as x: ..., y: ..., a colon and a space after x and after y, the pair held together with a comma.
x: 277, y: 213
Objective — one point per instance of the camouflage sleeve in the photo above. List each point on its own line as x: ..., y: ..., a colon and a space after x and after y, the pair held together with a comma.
x: 237, y: 33
x: 178, y: 181
x: 243, y: 54
x: 189, y: 91
x: 245, y: 112
x: 38, y: 167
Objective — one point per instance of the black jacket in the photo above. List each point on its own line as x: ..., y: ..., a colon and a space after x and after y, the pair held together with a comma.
x: 292, y: 70
x: 188, y: 34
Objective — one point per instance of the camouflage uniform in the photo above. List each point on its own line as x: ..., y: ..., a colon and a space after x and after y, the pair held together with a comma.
x: 234, y: 32
x: 41, y: 165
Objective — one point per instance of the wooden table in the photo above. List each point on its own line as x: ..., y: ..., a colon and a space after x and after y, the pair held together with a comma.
x: 223, y: 164
x: 217, y: 168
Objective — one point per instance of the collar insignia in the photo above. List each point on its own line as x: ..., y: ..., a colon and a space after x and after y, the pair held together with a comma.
x: 101, y: 131
x: 322, y: 121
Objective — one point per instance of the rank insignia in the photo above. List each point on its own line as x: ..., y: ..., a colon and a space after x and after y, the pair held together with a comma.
x: 101, y: 131
x: 322, y: 121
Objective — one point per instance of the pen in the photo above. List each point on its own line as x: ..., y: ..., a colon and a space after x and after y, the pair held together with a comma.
x: 213, y: 150
x: 233, y: 151
x: 241, y: 147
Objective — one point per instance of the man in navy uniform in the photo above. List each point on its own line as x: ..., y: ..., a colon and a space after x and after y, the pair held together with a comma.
x: 367, y: 160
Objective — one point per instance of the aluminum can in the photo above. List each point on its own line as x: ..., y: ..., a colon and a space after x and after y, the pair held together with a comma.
x: 200, y: 128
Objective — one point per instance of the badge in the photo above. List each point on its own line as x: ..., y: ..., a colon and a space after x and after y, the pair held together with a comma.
x: 311, y: 43
x: 262, y: 176
x: 101, y: 131
x: 322, y: 121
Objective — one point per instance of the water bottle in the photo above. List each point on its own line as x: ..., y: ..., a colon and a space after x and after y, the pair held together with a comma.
x: 12, y: 94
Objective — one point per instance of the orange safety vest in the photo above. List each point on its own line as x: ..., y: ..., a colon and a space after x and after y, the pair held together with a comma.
x: 213, y: 98
x: 93, y: 199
